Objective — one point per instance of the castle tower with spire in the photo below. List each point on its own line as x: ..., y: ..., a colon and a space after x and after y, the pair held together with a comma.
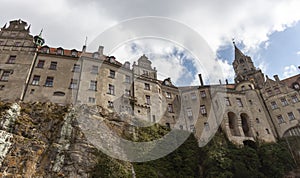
x: 245, y: 70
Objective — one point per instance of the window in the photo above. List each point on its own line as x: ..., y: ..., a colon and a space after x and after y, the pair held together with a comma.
x: 295, y: 99
x: 93, y: 85
x: 36, y: 80
x: 49, y: 82
x: 296, y: 86
x: 73, y: 84
x: 127, y: 92
x: 250, y: 101
x: 267, y: 130
x: 94, y: 70
x: 170, y: 108
x: 145, y: 72
x: 269, y: 92
x: 277, y: 90
x: 168, y: 95
x: 280, y: 119
x: 227, y: 101
x: 284, y: 102
x: 11, y: 59
x: 239, y: 102
x: 53, y: 65
x: 60, y: 51
x: 74, y: 53
x: 110, y: 104
x: 189, y: 113
x: 17, y: 43
x: 274, y: 105
x: 45, y: 50
x: 5, y: 75
x: 147, y: 86
x: 40, y: 64
x: 203, y: 110
x: 92, y: 100
x: 153, y: 118
x: 147, y: 99
x: 291, y: 116
x: 112, y: 74
x: 206, y: 126
x: 127, y: 79
x: 2, y: 87
x: 58, y: 93
x: 76, y: 68
x: 202, y: 94
x: 111, y: 89
x: 243, y: 88
x: 192, y: 128
x: 257, y: 120
x: 193, y: 96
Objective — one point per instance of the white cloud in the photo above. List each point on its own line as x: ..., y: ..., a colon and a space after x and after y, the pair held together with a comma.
x: 298, y: 53
x: 289, y: 71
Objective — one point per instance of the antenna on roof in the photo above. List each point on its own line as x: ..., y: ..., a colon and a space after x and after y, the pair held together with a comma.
x: 41, y: 32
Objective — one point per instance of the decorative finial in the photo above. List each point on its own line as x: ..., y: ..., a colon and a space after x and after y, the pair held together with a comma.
x: 233, y: 41
x: 85, y: 42
x: 28, y: 29
x: 41, y: 33
x: 4, y: 25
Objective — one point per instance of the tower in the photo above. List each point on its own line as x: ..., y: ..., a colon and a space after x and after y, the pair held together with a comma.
x: 245, y: 70
x: 38, y: 40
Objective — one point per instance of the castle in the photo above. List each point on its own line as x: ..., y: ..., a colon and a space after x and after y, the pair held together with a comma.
x: 252, y: 108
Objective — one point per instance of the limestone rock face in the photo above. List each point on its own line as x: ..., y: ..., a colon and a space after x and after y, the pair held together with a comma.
x: 43, y: 140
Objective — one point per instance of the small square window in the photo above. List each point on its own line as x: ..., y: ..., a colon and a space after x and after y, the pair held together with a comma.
x: 40, y: 64
x: 49, y: 82
x: 295, y: 99
x: 36, y: 80
x: 274, y: 105
x: 11, y: 59
x: 5, y: 75
x: 92, y: 100
x: 193, y: 96
x: 291, y: 116
x: 168, y: 95
x: 53, y: 66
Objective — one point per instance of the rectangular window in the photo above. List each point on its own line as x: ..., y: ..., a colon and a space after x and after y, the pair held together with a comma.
x: 92, y: 100
x: 280, y: 119
x: 193, y: 96
x: 277, y: 90
x: 203, y: 110
x: 239, y: 102
x: 127, y: 79
x: 147, y: 86
x: 148, y: 100
x: 94, y: 70
x: 112, y: 74
x: 284, y: 102
x: 74, y: 84
x: 274, y: 105
x: 11, y: 59
x: 202, y: 94
x: 192, y: 128
x: 93, y: 85
x: 168, y: 95
x: 40, y: 64
x: 49, y: 82
x: 110, y: 104
x: 206, y: 126
x: 111, y: 89
x: 53, y: 66
x: 127, y: 92
x: 189, y: 113
x: 291, y: 116
x: 170, y: 108
x: 146, y: 73
x: 295, y: 99
x: 250, y: 101
x: 227, y: 101
x: 76, y: 68
x: 36, y: 80
x: 5, y: 75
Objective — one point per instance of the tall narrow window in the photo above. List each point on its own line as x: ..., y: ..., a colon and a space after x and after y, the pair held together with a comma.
x: 274, y: 105
x: 170, y: 108
x: 206, y: 126
x: 295, y: 99
x: 74, y: 84
x: 168, y: 95
x: 11, y: 59
x: 93, y: 85
x: 49, y: 82
x: 5, y: 75
x: 111, y: 89
x: 193, y: 96
x: 227, y: 101
x: 148, y: 100
x: 203, y: 94
x: 40, y: 64
x: 127, y: 79
x: 147, y: 86
x: 284, y: 102
x: 76, y: 68
x: 203, y: 110
x: 53, y: 65
x: 94, y: 70
x: 112, y: 74
x: 280, y: 119
x: 189, y: 113
x: 239, y: 102
x: 36, y: 80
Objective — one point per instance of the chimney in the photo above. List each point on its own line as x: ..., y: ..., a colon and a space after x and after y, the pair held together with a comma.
x: 201, y: 80
x: 276, y: 78
x: 83, y: 48
x: 100, y: 50
x: 220, y: 81
x: 226, y: 82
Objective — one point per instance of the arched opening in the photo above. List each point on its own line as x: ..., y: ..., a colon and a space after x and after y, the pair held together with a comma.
x: 245, y: 125
x: 233, y: 124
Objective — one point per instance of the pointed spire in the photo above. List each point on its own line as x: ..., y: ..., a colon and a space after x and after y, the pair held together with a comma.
x: 237, y: 52
x: 28, y: 29
x: 4, y: 26
x: 41, y: 32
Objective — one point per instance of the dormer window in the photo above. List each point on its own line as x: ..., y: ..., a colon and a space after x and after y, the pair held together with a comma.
x: 45, y: 50
x: 127, y: 65
x: 296, y: 86
x: 74, y: 53
x: 112, y: 59
x: 96, y: 55
x: 60, y: 51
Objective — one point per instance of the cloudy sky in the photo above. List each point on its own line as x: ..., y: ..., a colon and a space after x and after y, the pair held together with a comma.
x: 266, y: 30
